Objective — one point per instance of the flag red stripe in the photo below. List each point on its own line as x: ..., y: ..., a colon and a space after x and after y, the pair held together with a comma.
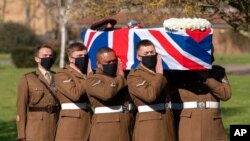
x: 91, y: 35
x: 168, y: 47
x: 120, y: 45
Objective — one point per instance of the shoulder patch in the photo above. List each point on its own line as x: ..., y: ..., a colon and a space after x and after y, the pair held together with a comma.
x: 112, y: 85
x: 17, y: 118
x: 141, y: 84
x: 224, y: 81
x: 66, y: 81
x: 96, y: 83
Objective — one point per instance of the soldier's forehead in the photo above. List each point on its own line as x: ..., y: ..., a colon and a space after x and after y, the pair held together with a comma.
x: 147, y: 48
x: 45, y: 50
x: 108, y: 55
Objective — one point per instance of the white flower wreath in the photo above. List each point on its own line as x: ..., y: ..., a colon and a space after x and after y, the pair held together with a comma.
x: 175, y: 24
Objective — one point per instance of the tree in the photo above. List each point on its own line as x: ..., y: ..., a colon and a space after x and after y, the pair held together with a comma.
x: 235, y: 12
x: 60, y: 11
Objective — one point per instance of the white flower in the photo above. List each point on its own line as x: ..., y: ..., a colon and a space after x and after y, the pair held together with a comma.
x: 186, y: 23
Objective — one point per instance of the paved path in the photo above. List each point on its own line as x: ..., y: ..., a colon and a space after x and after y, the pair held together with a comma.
x: 237, y: 68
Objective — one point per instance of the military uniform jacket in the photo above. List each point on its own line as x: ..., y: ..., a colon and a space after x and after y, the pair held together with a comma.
x: 73, y: 124
x: 199, y: 124
x: 109, y: 91
x: 146, y: 88
x: 36, y: 125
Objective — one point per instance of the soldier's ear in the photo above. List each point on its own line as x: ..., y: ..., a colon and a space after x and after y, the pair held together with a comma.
x: 38, y: 60
x: 71, y: 60
x: 138, y: 57
x: 98, y: 65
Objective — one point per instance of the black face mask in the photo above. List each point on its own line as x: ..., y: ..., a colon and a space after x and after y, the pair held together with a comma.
x: 149, y: 61
x: 47, y: 62
x: 82, y: 64
x: 110, y: 69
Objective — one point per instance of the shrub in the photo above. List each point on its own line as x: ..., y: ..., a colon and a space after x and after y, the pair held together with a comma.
x: 23, y: 57
x: 14, y: 35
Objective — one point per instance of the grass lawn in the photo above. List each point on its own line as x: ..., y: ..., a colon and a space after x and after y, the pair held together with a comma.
x: 232, y: 59
x: 235, y: 111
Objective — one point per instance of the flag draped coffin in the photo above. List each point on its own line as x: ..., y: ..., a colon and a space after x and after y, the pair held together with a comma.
x: 180, y: 50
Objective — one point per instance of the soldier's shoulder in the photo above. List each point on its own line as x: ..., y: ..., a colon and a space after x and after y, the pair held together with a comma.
x: 92, y: 76
x: 62, y: 71
x: 29, y: 74
x: 134, y: 71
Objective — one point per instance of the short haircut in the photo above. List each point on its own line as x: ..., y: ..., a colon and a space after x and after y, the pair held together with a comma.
x: 101, y: 51
x: 144, y: 43
x: 40, y: 47
x: 77, y: 46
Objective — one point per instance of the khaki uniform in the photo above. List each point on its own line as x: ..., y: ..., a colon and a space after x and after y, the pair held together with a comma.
x: 149, y: 88
x: 35, y: 121
x: 202, y: 124
x: 74, y: 122
x: 105, y: 91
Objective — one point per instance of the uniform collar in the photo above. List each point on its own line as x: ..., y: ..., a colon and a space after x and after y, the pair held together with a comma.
x: 99, y: 71
x: 75, y: 72
x: 143, y: 68
x: 43, y: 71
x: 41, y: 75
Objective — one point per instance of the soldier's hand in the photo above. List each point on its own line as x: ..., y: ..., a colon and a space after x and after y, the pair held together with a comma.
x: 159, y: 67
x: 89, y: 70
x: 204, y: 74
x: 21, y: 139
x: 119, y: 68
x: 218, y: 72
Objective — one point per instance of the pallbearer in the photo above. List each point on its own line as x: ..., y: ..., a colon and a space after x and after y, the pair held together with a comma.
x: 75, y: 116
x: 147, y: 87
x: 107, y: 90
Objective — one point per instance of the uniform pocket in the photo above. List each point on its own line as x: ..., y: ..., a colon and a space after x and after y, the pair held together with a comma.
x: 35, y: 115
x: 186, y: 113
x: 150, y: 116
x: 107, y: 118
x: 36, y: 95
x: 218, y: 131
x: 35, y: 125
x: 147, y: 123
x: 185, y: 125
x: 106, y: 127
x: 70, y: 125
x: 70, y: 113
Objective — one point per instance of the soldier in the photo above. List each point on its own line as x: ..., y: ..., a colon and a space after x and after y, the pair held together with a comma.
x: 198, y: 103
x: 147, y: 87
x: 107, y: 90
x: 37, y: 104
x: 75, y: 116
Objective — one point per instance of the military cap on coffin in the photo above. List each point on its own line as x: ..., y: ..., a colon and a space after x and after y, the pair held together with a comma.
x: 101, y: 24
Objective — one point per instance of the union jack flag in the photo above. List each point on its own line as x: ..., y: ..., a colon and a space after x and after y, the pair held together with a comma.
x: 180, y: 50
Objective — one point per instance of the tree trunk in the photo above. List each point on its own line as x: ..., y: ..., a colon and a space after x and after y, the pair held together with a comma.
x: 63, y: 42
